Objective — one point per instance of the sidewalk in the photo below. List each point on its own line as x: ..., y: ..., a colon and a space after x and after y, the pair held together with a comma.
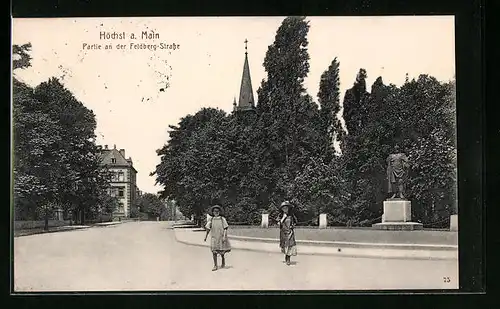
x: 64, y: 228
x: 195, y: 236
x: 54, y: 229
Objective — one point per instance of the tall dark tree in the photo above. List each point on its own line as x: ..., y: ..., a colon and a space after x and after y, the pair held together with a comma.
x: 356, y: 116
x: 329, y: 100
x: 288, y: 126
x: 354, y: 106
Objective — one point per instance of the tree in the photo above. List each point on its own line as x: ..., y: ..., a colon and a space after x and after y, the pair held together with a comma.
x: 354, y: 106
x: 151, y: 204
x: 190, y: 168
x: 329, y: 100
x: 36, y: 157
x: 287, y: 131
x: 36, y: 153
x: 21, y: 58
x: 56, y: 160
x: 318, y: 189
x: 419, y: 117
x: 429, y: 136
x: 80, y: 178
x: 357, y: 147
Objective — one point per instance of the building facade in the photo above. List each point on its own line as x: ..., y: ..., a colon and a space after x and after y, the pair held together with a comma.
x: 123, y: 181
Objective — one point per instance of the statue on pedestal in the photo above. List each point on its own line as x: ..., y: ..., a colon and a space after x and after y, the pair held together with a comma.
x: 397, y: 173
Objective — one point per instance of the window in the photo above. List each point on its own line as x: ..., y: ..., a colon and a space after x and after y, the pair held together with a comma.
x: 121, y: 176
x: 120, y: 192
x: 113, y: 160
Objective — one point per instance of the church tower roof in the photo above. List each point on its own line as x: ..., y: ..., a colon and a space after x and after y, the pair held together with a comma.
x: 246, y: 100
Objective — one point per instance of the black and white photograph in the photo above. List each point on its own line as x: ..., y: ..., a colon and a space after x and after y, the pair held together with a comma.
x: 270, y: 153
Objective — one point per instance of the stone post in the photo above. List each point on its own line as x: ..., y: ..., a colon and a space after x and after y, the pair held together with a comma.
x: 265, y: 221
x: 454, y: 223
x: 323, y: 221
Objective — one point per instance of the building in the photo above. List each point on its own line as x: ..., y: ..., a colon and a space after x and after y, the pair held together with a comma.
x: 123, y: 181
x: 246, y: 102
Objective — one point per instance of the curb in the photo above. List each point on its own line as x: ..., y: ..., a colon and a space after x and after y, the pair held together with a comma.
x: 54, y: 231
x: 106, y: 224
x: 271, y: 246
x: 354, y: 244
x: 67, y: 228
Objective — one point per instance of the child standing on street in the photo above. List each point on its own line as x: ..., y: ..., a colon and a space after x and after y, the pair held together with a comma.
x: 287, y: 223
x: 217, y: 226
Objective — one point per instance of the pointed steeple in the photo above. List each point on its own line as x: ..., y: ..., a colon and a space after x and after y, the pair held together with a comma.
x: 235, y: 108
x: 246, y: 101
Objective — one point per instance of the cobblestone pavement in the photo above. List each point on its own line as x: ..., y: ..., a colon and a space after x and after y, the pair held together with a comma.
x: 145, y: 256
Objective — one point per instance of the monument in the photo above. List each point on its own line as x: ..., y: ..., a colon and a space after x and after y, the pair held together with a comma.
x: 397, y: 209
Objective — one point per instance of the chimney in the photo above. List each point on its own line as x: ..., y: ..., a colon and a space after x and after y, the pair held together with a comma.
x: 105, y: 146
x: 122, y: 151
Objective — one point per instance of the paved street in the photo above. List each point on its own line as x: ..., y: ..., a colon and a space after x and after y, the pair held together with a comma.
x: 146, y: 256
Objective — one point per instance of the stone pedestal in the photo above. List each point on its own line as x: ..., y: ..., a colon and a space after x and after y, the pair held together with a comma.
x: 265, y: 221
x: 397, y: 211
x: 322, y: 221
x: 397, y: 216
x: 454, y: 223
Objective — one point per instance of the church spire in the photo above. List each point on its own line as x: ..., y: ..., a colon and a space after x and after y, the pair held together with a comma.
x: 246, y: 100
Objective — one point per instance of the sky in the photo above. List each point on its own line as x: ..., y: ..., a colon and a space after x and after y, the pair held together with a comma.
x: 137, y: 93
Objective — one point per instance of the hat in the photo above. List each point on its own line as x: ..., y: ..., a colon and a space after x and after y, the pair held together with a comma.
x: 211, y: 210
x: 286, y: 203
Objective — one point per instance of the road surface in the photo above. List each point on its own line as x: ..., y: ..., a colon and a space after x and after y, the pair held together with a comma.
x: 144, y: 256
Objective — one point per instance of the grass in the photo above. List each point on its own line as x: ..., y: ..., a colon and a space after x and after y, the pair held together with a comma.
x: 355, y: 235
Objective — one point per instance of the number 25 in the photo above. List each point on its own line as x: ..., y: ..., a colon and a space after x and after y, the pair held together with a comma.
x: 446, y: 279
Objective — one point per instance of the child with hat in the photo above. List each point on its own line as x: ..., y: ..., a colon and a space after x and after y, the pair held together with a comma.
x: 217, y: 226
x: 287, y: 223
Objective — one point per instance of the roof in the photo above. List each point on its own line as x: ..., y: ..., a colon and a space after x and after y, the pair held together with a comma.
x: 246, y: 101
x: 108, y: 154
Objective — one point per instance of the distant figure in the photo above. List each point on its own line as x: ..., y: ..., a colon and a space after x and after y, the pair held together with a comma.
x: 287, y: 223
x: 397, y: 173
x: 217, y: 226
